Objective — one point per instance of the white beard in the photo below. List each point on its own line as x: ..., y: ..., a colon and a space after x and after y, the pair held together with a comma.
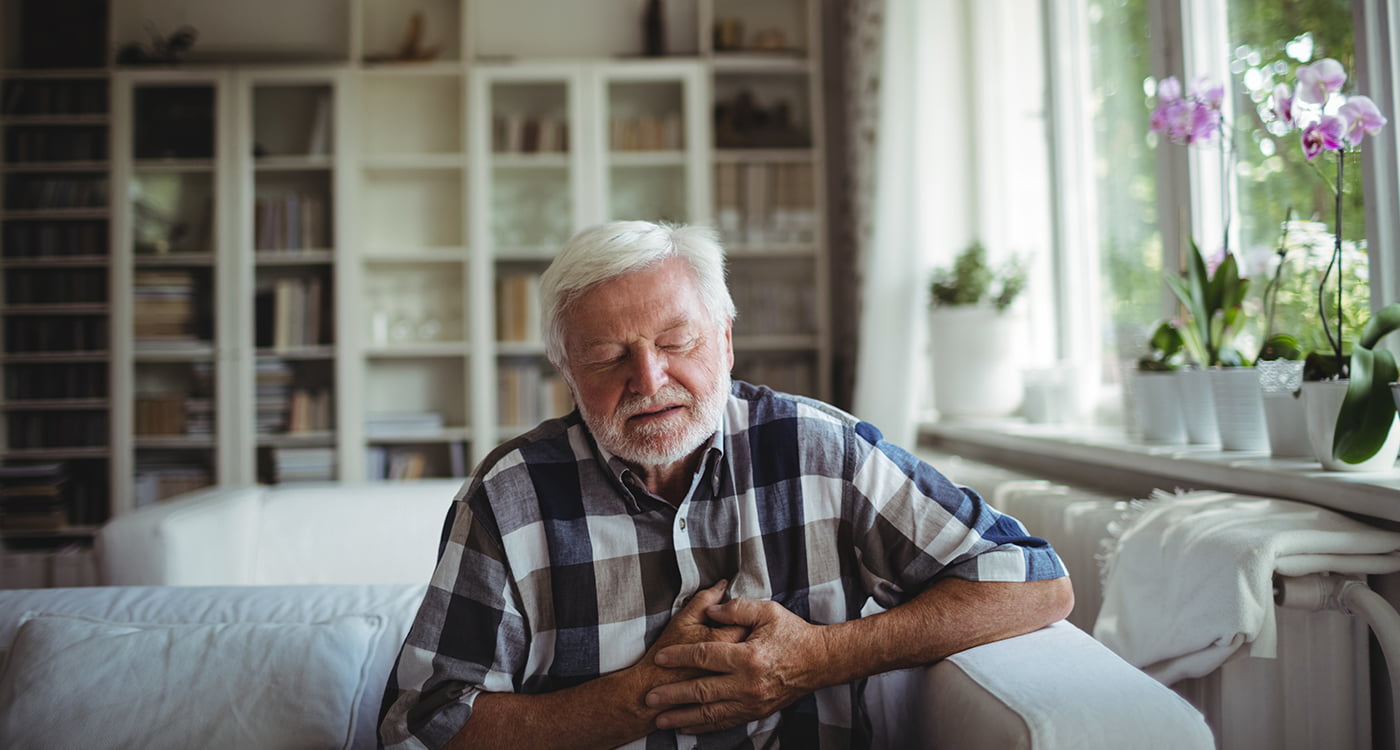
x: 666, y: 443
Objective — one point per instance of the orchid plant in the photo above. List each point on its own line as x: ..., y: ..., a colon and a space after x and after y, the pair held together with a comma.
x: 1212, y: 298
x: 1196, y: 118
x: 1327, y: 121
x: 1330, y: 121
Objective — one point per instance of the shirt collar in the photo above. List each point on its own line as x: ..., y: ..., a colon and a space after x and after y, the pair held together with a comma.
x: 627, y: 479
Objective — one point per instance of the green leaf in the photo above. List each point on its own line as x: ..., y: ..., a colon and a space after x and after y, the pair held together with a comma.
x: 1281, y: 346
x: 1368, y: 409
x: 1386, y: 320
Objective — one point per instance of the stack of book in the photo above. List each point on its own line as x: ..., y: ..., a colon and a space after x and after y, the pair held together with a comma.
x: 520, y: 134
x: 289, y: 312
x: 163, y: 307
x: 303, y: 464
x: 294, y: 221
x: 389, y: 424
x: 518, y: 307
x: 273, y: 392
x: 155, y: 482
x: 766, y: 203
x: 32, y: 497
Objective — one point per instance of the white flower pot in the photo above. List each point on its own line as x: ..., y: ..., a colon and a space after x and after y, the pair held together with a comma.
x: 1280, y: 384
x: 1239, y: 409
x: 1198, y: 407
x: 1322, y: 402
x: 1157, y: 408
x: 976, y: 354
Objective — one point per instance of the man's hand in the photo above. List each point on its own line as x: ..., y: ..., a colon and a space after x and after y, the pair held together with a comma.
x: 779, y: 662
x: 689, y: 626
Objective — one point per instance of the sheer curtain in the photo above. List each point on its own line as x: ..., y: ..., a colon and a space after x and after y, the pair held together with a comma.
x: 919, y: 205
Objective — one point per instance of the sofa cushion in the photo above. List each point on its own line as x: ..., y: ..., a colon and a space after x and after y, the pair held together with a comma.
x: 68, y: 682
x: 235, y: 604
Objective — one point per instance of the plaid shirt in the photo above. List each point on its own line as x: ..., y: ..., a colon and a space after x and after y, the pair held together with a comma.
x: 557, y: 567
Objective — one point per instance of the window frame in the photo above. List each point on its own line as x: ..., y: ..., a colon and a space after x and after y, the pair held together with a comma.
x: 1193, y: 41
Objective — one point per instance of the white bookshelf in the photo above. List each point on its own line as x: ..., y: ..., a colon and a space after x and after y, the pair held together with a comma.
x: 412, y: 191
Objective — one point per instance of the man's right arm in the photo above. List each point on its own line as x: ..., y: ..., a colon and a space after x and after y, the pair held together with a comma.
x: 603, y: 713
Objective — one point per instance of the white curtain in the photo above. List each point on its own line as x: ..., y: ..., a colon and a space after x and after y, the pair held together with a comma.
x: 920, y: 206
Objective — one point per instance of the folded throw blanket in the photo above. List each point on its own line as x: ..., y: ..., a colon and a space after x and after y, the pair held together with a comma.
x: 1190, y: 580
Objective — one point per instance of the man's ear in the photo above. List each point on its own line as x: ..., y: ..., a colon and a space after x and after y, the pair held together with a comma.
x: 729, y: 342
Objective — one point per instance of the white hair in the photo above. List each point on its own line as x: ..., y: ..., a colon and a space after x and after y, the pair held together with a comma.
x: 606, y: 251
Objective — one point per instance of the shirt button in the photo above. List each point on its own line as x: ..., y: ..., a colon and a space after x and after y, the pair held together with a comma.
x: 682, y: 524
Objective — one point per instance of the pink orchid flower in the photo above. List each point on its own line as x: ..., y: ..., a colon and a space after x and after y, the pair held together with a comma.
x: 1327, y: 134
x: 1168, y: 90
x: 1283, y: 105
x: 1320, y: 80
x: 1208, y: 91
x: 1204, y: 122
x: 1362, y: 118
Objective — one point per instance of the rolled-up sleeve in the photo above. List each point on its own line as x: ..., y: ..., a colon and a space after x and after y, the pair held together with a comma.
x: 914, y: 526
x: 468, y: 636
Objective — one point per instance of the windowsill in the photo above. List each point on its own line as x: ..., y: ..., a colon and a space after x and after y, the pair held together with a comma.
x: 1107, y: 459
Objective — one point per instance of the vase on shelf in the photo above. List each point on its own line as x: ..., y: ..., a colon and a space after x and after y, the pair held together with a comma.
x: 1156, y: 404
x: 1198, y: 407
x: 1280, y: 389
x: 1239, y: 409
x: 1322, y: 401
x: 976, y: 360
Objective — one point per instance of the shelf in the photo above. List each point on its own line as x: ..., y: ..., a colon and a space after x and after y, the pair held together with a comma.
x: 1085, y: 455
x: 418, y: 349
x: 56, y: 404
x: 513, y: 160
x: 776, y: 63
x: 297, y: 353
x: 144, y: 260
x: 173, y: 442
x: 414, y: 161
x: 445, y: 435
x: 66, y: 261
x: 74, y: 356
x: 54, y: 120
x: 54, y: 213
x: 316, y: 438
x: 25, y: 454
x: 41, y: 167
x: 173, y: 165
x: 293, y: 163
x: 293, y: 257
x: 85, y: 308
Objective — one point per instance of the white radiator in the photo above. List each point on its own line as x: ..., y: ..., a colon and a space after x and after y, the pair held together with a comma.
x: 1314, y: 696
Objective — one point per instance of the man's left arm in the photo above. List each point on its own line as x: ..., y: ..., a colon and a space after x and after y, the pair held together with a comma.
x: 785, y: 657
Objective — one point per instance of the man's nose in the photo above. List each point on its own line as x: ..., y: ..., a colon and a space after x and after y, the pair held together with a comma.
x: 649, y: 372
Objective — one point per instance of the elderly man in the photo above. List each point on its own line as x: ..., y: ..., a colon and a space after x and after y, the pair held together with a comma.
x: 683, y: 561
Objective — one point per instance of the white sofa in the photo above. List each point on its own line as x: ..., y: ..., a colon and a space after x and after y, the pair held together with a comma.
x: 340, y: 630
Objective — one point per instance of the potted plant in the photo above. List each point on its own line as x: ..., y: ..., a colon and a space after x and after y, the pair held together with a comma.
x: 976, y: 335
x: 1213, y: 311
x: 1155, y: 388
x: 1212, y: 302
x: 1351, y: 416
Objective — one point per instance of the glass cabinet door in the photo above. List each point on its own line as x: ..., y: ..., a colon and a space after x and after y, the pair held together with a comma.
x: 172, y: 250
x: 289, y: 149
x: 650, y: 113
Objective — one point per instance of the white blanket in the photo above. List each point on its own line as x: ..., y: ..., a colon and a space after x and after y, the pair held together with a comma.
x: 1190, y: 581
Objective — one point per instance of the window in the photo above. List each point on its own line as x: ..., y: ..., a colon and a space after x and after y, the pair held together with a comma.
x: 1144, y: 201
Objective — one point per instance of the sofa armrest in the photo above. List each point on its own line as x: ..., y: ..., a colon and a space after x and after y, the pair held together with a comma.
x: 1054, y: 689
x: 204, y: 537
